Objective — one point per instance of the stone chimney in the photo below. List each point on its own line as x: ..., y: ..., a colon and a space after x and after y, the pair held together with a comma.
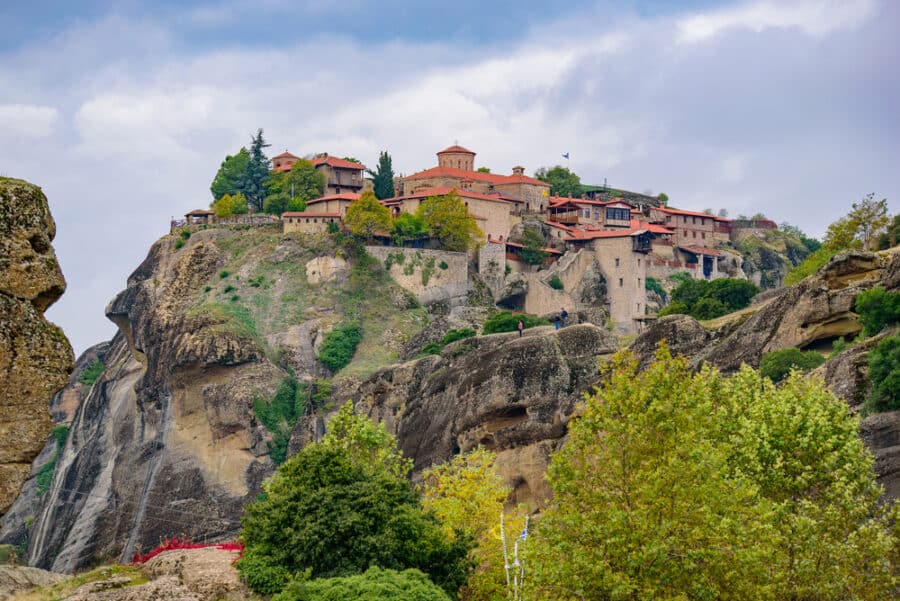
x: 518, y: 170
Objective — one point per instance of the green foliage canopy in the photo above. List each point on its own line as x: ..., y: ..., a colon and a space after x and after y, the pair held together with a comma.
x: 533, y: 243
x: 374, y: 584
x: 339, y: 344
x: 877, y: 309
x: 90, y: 373
x: 884, y: 374
x: 257, y: 172
x: 367, y: 216
x: 776, y: 365
x: 683, y: 485
x: 562, y: 181
x: 383, y: 177
x: 449, y: 220
x: 408, y: 226
x: 331, y: 510
x: 506, y: 321
x: 289, y: 190
x: 704, y: 299
x: 230, y: 204
x: 230, y: 177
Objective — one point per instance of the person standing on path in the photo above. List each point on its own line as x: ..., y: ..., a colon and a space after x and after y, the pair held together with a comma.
x: 521, y: 327
x: 556, y: 322
x: 564, y: 315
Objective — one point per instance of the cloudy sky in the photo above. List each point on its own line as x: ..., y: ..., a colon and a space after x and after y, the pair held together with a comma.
x: 122, y: 110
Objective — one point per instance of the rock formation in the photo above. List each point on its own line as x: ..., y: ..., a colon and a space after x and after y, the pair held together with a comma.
x: 512, y: 395
x: 35, y: 356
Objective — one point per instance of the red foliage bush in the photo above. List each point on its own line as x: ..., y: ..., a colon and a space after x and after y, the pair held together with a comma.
x: 176, y: 543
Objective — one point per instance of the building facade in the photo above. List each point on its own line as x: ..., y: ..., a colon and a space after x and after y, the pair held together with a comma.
x: 456, y: 169
x: 341, y: 176
x: 309, y: 222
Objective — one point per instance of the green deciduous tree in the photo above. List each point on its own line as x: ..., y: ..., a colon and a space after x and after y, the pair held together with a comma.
x: 449, y: 220
x: 367, y: 216
x: 289, y: 190
x: 892, y: 236
x: 230, y: 177
x: 871, y: 219
x: 877, y: 309
x: 562, y: 181
x: 533, y: 243
x: 383, y: 177
x: 257, y: 172
x: 230, y: 204
x: 373, y: 585
x: 337, y: 508
x: 684, y: 485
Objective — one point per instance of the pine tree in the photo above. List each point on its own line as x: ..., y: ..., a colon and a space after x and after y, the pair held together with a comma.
x: 257, y: 173
x: 383, y: 178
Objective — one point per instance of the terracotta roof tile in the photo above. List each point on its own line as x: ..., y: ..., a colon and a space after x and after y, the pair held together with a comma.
x: 456, y: 148
x: 336, y: 162
x: 442, y: 190
x: 342, y: 196
x: 308, y: 214
x: 702, y: 250
x: 492, y: 178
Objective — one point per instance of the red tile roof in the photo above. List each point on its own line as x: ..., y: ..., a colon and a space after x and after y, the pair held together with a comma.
x: 285, y: 155
x: 702, y: 250
x: 342, y: 196
x: 336, y: 162
x: 442, y: 190
x: 457, y: 148
x: 635, y: 227
x: 200, y: 212
x: 491, y: 178
x: 688, y: 213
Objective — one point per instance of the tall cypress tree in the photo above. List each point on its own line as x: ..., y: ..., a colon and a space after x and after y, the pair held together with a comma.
x: 257, y: 173
x: 383, y: 178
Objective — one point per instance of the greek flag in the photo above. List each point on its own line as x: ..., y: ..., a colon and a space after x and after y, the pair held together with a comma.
x: 524, y: 535
x: 565, y: 155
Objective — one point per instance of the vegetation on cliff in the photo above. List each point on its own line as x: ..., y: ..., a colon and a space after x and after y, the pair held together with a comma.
x: 341, y: 506
x: 705, y: 299
x: 712, y: 487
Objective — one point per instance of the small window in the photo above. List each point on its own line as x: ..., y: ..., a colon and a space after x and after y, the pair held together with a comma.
x: 307, y: 220
x: 639, y: 262
x: 639, y: 307
x: 694, y: 234
x: 621, y: 282
x: 703, y: 235
x: 617, y: 261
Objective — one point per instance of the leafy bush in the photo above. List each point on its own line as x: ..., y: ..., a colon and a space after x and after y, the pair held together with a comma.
x: 207, y: 288
x: 341, y: 506
x: 373, y: 585
x: 884, y: 374
x: 839, y: 346
x: 434, y: 348
x: 223, y: 274
x: 776, y: 365
x: 506, y: 321
x: 443, y: 265
x: 279, y: 415
x: 229, y: 288
x: 877, y: 309
x: 179, y: 243
x: 185, y: 233
x: 555, y: 282
x: 533, y: 243
x: 653, y: 285
x: 705, y: 299
x: 339, y: 344
x: 44, y: 476
x: 90, y: 373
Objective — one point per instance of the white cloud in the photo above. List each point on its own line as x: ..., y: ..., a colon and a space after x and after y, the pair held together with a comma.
x: 30, y: 120
x: 152, y: 120
x: 813, y: 17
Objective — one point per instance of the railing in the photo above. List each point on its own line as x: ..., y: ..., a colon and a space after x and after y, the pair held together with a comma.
x: 255, y: 219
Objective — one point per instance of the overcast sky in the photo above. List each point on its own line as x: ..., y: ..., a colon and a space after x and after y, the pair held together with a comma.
x: 123, y: 110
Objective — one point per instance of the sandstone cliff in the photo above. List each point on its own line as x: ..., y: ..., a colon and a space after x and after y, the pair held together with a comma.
x: 35, y: 356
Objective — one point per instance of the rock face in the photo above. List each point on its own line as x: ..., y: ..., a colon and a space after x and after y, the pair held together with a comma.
x: 512, y: 395
x: 35, y: 356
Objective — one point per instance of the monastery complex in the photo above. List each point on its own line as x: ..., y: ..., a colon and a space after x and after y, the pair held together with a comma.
x: 601, y: 249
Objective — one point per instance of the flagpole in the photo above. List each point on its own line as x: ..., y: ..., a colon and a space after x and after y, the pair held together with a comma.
x: 505, y: 554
